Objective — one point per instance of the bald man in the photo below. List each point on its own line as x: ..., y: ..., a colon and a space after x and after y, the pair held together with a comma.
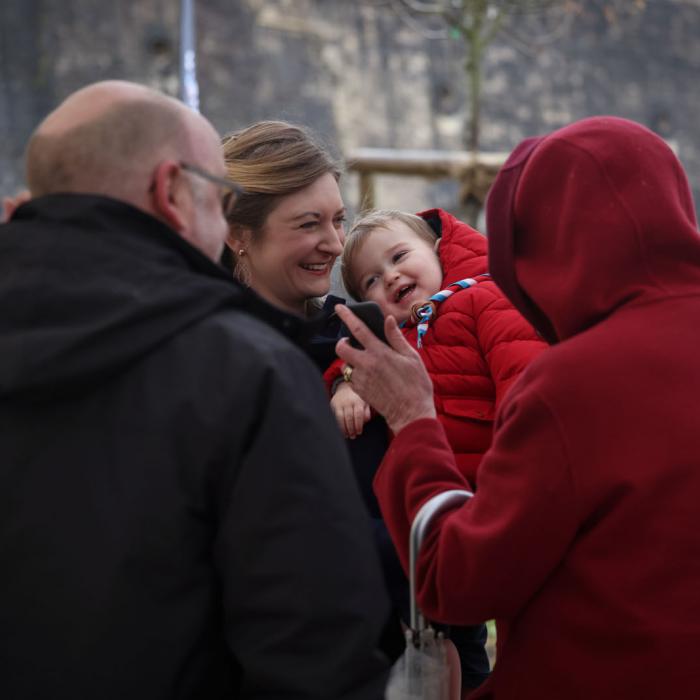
x: 178, y: 518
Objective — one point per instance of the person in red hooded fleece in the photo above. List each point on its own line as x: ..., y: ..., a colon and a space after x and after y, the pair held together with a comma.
x: 584, y: 532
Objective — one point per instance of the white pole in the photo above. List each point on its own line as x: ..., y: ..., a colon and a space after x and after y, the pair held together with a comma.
x: 189, y: 89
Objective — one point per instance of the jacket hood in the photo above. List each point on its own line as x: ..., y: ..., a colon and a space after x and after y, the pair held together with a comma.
x: 88, y: 285
x: 594, y: 216
x: 463, y: 250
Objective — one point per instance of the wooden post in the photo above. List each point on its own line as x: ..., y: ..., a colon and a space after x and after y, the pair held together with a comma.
x: 367, y: 198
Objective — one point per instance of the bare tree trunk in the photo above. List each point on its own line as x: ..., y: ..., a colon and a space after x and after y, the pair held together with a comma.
x: 469, y: 211
x: 472, y: 28
x: 475, y: 52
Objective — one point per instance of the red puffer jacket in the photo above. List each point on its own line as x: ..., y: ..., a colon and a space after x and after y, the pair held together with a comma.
x: 475, y: 347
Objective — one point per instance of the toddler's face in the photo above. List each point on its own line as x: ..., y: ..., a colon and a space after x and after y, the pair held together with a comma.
x: 396, y: 268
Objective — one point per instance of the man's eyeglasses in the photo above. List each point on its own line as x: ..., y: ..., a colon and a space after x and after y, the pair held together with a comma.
x: 230, y: 191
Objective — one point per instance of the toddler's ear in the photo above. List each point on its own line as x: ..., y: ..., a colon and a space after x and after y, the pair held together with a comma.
x: 436, y: 247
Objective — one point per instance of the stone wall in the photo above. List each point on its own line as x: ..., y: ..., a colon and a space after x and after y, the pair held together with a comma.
x: 357, y: 73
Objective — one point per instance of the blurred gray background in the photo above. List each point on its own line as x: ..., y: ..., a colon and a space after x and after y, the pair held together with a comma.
x: 365, y: 73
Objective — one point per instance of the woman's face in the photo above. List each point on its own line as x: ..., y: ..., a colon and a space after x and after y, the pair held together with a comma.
x: 292, y: 260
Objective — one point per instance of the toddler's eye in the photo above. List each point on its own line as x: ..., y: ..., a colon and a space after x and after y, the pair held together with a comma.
x: 370, y: 281
x: 397, y: 256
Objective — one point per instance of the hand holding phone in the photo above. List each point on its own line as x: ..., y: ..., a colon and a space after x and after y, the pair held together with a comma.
x: 372, y: 316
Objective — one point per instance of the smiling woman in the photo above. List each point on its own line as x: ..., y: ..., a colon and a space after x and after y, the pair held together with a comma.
x: 286, y: 231
x: 287, y: 228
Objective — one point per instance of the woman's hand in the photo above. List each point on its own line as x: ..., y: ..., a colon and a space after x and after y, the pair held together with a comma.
x: 350, y: 410
x: 391, y: 378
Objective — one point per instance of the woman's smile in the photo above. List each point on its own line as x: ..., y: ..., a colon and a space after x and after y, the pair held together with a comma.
x: 317, y: 268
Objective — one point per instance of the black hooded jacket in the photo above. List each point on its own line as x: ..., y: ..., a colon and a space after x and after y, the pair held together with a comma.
x: 178, y: 518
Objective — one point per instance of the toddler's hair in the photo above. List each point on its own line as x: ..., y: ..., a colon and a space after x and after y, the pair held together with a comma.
x: 360, y: 231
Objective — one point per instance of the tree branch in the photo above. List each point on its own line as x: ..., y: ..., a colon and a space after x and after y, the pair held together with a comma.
x: 427, y: 8
x: 408, y: 19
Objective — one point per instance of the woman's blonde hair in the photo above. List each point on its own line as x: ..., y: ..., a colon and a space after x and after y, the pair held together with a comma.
x: 363, y: 226
x: 271, y: 159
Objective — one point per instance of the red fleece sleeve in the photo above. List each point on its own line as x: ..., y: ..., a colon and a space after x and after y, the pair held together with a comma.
x: 487, y: 557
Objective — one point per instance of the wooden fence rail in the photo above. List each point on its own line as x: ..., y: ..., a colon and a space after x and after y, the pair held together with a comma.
x: 475, y: 171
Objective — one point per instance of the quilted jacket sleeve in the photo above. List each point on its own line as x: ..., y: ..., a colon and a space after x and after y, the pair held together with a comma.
x: 334, y: 372
x: 508, y: 342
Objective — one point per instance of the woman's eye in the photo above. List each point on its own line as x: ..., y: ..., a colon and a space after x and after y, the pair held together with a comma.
x: 340, y: 220
x: 309, y: 225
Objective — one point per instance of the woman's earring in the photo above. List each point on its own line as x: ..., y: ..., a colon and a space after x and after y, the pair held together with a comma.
x: 241, y: 271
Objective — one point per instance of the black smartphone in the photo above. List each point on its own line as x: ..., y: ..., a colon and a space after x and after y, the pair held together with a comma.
x: 372, y: 316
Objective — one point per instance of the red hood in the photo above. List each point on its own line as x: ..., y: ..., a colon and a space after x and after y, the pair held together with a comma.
x: 463, y: 250
x: 593, y: 216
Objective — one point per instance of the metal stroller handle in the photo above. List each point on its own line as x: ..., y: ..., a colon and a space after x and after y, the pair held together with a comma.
x: 433, y: 506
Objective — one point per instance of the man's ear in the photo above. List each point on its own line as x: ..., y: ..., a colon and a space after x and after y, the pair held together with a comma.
x: 170, y: 200
x: 9, y: 204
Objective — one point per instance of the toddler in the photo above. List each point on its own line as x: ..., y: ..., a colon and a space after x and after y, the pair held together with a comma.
x: 430, y: 271
x: 472, y: 341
